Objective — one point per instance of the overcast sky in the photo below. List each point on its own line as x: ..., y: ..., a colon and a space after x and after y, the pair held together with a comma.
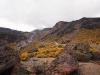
x: 27, y: 15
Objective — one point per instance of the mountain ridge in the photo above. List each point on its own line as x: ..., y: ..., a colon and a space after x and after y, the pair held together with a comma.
x: 61, y: 28
x: 19, y: 38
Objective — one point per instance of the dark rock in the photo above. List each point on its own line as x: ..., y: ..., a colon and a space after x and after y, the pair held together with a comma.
x: 9, y: 60
x: 41, y: 46
x: 10, y: 67
x: 75, y: 73
x: 79, y: 50
x: 95, y: 56
x: 66, y: 41
x: 64, y: 64
x: 33, y: 50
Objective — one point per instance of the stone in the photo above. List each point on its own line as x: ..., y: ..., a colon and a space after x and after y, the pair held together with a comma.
x: 9, y: 61
x: 33, y: 50
x: 95, y: 56
x: 64, y: 64
x: 79, y: 50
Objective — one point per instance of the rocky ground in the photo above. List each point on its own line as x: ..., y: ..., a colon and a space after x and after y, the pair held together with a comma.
x: 75, y: 59
x: 29, y: 66
x: 85, y: 68
x: 88, y: 68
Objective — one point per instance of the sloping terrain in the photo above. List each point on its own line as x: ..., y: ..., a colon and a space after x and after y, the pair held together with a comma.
x: 67, y: 30
x: 53, y: 39
x: 20, y: 38
x: 11, y: 35
x: 62, y: 31
x: 90, y: 36
x: 38, y: 34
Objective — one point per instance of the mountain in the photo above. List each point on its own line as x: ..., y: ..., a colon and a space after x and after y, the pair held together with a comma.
x: 11, y: 35
x: 66, y: 29
x: 20, y: 38
x: 82, y: 30
x: 38, y: 34
x: 62, y: 28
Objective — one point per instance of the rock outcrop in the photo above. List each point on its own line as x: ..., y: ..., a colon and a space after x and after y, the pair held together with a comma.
x: 79, y: 50
x: 9, y: 61
x: 64, y: 64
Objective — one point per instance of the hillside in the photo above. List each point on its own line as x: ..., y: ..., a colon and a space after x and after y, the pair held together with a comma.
x: 38, y: 34
x: 53, y: 41
x: 13, y: 36
x: 66, y: 30
x: 69, y: 29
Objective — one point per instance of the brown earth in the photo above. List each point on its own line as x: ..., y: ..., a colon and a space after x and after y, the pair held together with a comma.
x: 85, y: 68
x: 89, y: 68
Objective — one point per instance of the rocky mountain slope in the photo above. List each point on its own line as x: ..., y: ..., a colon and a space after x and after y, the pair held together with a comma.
x: 63, y: 31
x: 20, y: 38
x: 38, y: 34
x: 69, y: 29
x: 50, y: 42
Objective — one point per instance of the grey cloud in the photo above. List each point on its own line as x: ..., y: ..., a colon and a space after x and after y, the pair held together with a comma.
x: 45, y: 13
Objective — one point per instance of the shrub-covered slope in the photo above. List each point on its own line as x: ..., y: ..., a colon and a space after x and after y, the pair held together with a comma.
x: 83, y: 30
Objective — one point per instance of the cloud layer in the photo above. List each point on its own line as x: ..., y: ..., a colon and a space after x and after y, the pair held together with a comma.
x: 27, y: 15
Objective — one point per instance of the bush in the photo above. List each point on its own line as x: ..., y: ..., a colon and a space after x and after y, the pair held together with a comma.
x: 24, y: 56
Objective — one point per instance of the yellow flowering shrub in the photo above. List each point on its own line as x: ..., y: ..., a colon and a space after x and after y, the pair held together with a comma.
x: 24, y: 56
x: 50, y: 50
x: 94, y: 50
x: 90, y: 36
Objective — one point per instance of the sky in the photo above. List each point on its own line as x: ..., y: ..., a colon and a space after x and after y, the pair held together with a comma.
x: 27, y: 15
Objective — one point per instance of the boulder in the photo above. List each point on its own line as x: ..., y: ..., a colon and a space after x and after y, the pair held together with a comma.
x: 95, y: 56
x: 79, y: 50
x: 9, y: 61
x: 64, y: 64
